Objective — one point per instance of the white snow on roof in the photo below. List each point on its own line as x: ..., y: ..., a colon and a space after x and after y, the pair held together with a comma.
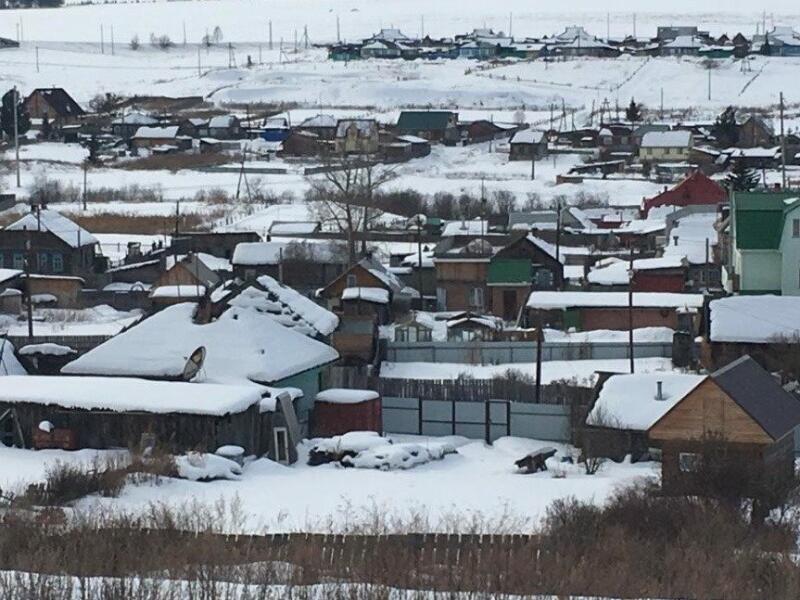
x: 293, y: 227
x: 179, y: 291
x: 222, y: 121
x: 319, y: 121
x: 617, y: 273
x: 755, y: 319
x: 157, y: 132
x: 9, y: 365
x: 288, y: 307
x: 126, y: 394
x: 527, y: 136
x: 67, y: 231
x: 412, y: 260
x: 135, y: 118
x: 667, y: 139
x: 46, y: 348
x: 6, y: 274
x: 691, y: 232
x: 369, y: 294
x: 241, y: 345
x: 412, y: 139
x: 457, y: 228
x: 258, y: 253
x: 630, y: 401
x: 684, y: 41
x: 346, y: 396
x: 564, y: 300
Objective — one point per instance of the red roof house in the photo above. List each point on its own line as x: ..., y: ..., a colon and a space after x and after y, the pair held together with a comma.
x: 696, y: 189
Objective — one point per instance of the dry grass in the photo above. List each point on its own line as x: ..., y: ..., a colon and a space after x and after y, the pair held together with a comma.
x: 178, y: 162
x: 107, y: 222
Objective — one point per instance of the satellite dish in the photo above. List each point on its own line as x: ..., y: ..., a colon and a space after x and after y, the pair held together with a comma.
x: 194, y: 363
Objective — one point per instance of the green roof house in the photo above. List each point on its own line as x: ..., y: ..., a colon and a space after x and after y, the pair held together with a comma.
x: 765, y: 230
x: 432, y: 125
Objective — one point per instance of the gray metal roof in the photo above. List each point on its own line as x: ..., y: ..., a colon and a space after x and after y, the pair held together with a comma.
x: 757, y: 392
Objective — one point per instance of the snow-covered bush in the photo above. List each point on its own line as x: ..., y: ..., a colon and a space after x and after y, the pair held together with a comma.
x: 201, y: 466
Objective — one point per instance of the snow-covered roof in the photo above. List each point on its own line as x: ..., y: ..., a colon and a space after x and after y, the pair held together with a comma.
x: 288, y: 307
x: 464, y: 227
x: 319, y: 121
x: 528, y: 136
x: 412, y: 139
x: 293, y: 227
x: 67, y: 231
x: 179, y: 291
x: 684, y: 41
x: 160, y: 133
x: 8, y: 274
x: 241, y: 345
x: 48, y: 348
x: 258, y: 253
x: 617, y: 273
x: 767, y: 153
x: 222, y: 122
x: 412, y: 260
x: 564, y: 300
x: 667, y: 139
x: 346, y: 396
x: 368, y: 294
x: 122, y: 394
x: 755, y: 319
x: 631, y: 401
x: 363, y: 126
x: 126, y: 287
x: 688, y: 238
x: 9, y: 365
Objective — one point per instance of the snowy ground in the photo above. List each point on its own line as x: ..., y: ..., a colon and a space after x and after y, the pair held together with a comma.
x: 443, y: 493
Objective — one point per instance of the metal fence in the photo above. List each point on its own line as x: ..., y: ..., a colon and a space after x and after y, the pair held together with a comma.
x: 487, y: 353
x: 487, y: 420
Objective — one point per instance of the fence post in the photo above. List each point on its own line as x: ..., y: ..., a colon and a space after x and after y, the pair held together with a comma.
x: 453, y: 413
x: 508, y: 418
x: 488, y: 418
x: 419, y: 415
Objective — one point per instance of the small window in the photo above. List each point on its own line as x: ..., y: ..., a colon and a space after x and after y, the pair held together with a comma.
x: 476, y: 297
x: 352, y: 281
x: 42, y: 261
x: 401, y: 334
x: 19, y: 260
x: 796, y: 228
x: 58, y: 263
x: 423, y: 335
x: 688, y: 462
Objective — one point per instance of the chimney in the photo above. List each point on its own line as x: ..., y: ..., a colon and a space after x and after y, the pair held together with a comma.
x: 659, y: 391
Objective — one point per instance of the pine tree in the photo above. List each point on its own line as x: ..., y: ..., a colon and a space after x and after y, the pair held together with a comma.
x: 634, y: 112
x: 725, y: 128
x: 7, y: 115
x: 742, y: 179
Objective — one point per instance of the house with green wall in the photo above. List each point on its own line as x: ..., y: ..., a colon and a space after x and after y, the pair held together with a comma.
x: 765, y: 243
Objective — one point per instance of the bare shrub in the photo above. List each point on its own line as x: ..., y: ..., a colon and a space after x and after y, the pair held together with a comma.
x: 65, y: 483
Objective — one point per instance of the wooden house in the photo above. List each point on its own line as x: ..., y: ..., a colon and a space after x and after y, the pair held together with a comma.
x: 588, y: 311
x: 740, y: 414
x: 302, y: 143
x: 62, y: 291
x: 194, y: 269
x: 665, y: 274
x: 432, y: 125
x: 367, y: 274
x: 53, y: 104
x: 254, y: 259
x: 58, y: 246
x: 224, y: 127
x: 323, y: 126
x: 695, y: 190
x: 155, y: 138
x: 756, y: 132
x: 527, y: 144
x: 526, y: 264
x: 462, y: 274
x: 127, y: 125
x: 215, y: 243
x: 356, y: 136
x: 468, y: 327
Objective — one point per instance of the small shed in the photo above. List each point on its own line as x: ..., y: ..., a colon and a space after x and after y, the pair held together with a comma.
x: 339, y: 411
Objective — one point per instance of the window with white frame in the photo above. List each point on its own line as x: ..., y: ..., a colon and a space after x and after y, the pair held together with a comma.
x: 476, y: 297
x: 688, y: 462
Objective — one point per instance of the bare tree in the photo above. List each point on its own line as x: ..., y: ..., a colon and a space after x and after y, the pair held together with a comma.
x: 344, y: 195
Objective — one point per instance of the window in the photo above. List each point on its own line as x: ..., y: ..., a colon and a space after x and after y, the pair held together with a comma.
x: 352, y: 281
x: 43, y: 261
x: 401, y: 334
x: 476, y: 297
x: 688, y: 462
x: 58, y: 263
x: 796, y: 228
x: 19, y: 260
x: 441, y: 298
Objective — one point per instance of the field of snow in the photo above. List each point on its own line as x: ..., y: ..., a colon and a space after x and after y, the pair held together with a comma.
x: 273, y: 497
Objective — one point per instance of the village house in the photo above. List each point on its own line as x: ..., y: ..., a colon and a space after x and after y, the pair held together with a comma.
x: 194, y: 269
x: 626, y: 407
x: 162, y: 139
x: 224, y: 127
x: 53, y: 104
x: 587, y: 311
x: 242, y: 347
x: 756, y: 132
x: 691, y: 233
x: 462, y: 273
x: 58, y: 246
x: 302, y: 143
x: 127, y: 125
x: 433, y: 125
x: 665, y: 146
x: 765, y: 230
x: 695, y: 190
x: 216, y: 243
x: 740, y: 415
x: 765, y: 327
x: 322, y: 125
x: 357, y: 136
x: 253, y: 259
x: 360, y: 279
x: 666, y: 274
x: 527, y: 144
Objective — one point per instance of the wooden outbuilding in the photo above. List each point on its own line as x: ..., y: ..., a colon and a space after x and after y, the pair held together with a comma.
x: 339, y: 411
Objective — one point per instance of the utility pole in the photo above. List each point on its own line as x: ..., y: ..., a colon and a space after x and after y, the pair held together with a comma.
x: 184, y: 34
x: 112, y: 40
x: 177, y: 219
x: 783, y: 148
x: 510, y: 24
x: 85, y: 187
x: 558, y: 232
x: 27, y: 263
x: 419, y: 260
x: 270, y: 34
x: 338, y: 30
x: 630, y: 309
x: 709, y: 84
x: 539, y: 340
x: 634, y: 25
x: 16, y: 136
x: 661, y: 108
x: 608, y: 26
x: 102, y: 41
x: 533, y: 163
x: 37, y: 59
x: 305, y: 36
